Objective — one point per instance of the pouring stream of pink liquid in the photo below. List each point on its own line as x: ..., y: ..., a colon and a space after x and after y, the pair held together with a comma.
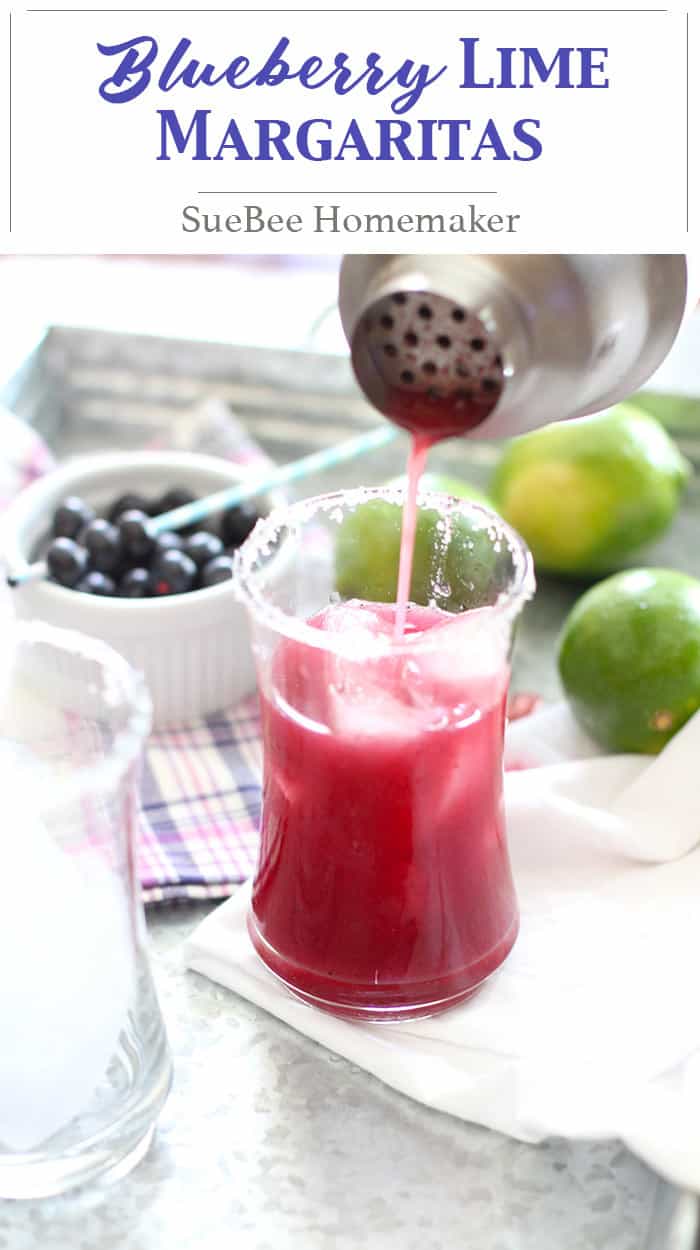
x: 420, y: 446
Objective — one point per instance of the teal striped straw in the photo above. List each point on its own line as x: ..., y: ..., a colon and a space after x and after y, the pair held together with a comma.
x: 230, y: 496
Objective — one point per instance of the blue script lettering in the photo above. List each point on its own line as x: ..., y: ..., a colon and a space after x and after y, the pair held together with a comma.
x: 136, y: 70
x: 134, y: 61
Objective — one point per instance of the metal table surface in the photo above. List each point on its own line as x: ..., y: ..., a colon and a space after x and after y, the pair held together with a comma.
x: 268, y: 1141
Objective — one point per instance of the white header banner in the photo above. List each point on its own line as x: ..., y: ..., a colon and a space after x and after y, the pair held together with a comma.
x: 142, y: 130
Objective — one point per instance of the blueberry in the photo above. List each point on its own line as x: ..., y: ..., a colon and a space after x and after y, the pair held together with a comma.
x: 66, y: 561
x: 174, y: 498
x: 174, y: 573
x: 220, y: 569
x: 135, y: 584
x: 203, y: 547
x: 137, y: 543
x: 71, y: 517
x: 128, y: 503
x: 177, y: 498
x: 96, y: 583
x: 167, y: 541
x: 103, y: 544
x: 237, y: 523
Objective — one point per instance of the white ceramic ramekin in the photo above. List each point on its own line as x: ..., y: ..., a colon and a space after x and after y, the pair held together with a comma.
x: 193, y: 649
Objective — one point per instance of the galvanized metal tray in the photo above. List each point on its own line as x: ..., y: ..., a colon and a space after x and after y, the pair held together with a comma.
x: 84, y: 389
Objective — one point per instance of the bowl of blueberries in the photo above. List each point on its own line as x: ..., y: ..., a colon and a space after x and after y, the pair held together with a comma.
x: 166, y: 603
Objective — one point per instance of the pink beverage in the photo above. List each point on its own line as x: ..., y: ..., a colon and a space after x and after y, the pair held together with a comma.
x: 384, y: 888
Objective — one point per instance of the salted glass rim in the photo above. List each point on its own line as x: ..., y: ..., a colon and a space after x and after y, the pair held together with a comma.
x: 130, y: 693
x: 248, y: 591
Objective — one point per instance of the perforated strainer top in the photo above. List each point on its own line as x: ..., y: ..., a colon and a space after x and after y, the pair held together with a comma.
x: 427, y: 363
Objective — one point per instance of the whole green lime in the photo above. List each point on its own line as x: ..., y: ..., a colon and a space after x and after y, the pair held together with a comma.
x: 455, y: 565
x: 587, y: 494
x: 629, y: 658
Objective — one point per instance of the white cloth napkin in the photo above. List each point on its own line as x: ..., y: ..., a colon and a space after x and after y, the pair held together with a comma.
x: 592, y: 1027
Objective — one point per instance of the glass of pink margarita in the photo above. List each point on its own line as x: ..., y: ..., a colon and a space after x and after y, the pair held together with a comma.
x: 383, y: 889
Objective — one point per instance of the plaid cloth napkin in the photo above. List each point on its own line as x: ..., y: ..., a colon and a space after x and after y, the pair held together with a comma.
x: 201, y: 784
x: 201, y: 806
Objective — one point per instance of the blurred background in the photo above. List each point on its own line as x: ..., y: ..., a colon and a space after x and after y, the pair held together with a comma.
x: 260, y: 300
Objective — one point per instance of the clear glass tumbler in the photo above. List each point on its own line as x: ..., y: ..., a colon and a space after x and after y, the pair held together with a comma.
x: 383, y: 889
x: 84, y: 1061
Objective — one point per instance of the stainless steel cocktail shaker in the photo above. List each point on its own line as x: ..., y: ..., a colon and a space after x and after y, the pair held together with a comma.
x: 502, y: 344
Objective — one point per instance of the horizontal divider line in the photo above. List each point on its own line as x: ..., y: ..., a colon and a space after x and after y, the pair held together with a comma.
x: 341, y: 193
